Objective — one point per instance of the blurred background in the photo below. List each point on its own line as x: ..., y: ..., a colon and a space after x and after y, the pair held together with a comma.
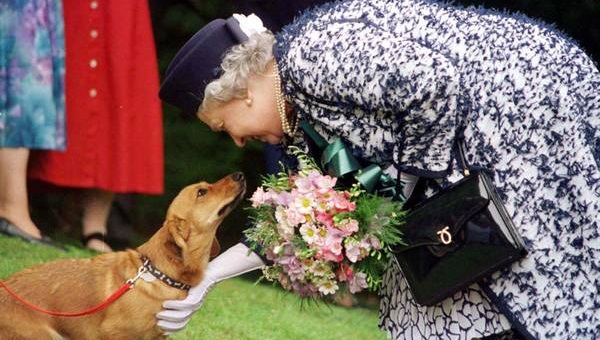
x: 193, y: 152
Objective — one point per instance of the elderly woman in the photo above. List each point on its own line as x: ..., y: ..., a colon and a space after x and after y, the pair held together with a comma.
x: 400, y: 82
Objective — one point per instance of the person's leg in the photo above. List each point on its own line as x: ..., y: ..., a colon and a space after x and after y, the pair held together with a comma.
x: 96, y: 208
x: 14, y: 203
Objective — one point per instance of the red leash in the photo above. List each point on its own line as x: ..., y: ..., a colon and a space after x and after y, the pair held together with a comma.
x: 124, y: 289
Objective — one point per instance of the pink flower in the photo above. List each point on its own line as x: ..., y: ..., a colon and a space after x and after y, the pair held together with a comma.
x: 296, y: 273
x: 353, y: 251
x: 304, y: 185
x: 328, y: 255
x: 324, y: 184
x: 341, y: 202
x: 259, y: 197
x: 313, y: 175
x: 283, y: 198
x: 357, y: 283
x: 294, y: 217
x: 329, y: 245
x: 333, y: 241
x: 348, y: 226
x: 344, y: 272
x: 325, y: 219
x: 357, y: 250
x: 305, y: 290
x: 292, y: 266
x: 374, y: 241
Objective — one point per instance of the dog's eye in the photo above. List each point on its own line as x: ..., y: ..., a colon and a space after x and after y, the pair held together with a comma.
x: 201, y: 192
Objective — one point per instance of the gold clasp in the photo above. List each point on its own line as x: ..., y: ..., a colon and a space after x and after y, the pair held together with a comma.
x: 445, y: 235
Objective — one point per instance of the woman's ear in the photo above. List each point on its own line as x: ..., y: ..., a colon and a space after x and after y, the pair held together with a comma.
x: 248, y: 99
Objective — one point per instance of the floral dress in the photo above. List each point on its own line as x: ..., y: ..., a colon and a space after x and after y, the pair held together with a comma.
x: 413, y: 76
x: 32, y: 64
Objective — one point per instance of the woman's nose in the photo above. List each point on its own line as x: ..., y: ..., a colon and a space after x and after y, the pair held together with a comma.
x: 240, y: 142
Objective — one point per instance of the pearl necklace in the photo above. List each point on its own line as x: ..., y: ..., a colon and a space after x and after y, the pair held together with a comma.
x: 280, y: 101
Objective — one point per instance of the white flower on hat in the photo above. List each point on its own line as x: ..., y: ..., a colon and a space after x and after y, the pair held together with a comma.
x: 250, y: 24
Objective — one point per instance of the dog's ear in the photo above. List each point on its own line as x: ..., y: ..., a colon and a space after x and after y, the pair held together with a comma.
x: 215, y: 248
x: 179, y: 230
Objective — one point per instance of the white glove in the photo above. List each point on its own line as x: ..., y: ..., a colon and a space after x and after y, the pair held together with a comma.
x: 233, y: 262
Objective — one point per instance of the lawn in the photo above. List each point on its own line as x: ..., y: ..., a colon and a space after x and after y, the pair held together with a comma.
x: 236, y: 308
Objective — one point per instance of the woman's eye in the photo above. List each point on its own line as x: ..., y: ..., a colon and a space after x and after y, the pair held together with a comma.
x: 202, y: 192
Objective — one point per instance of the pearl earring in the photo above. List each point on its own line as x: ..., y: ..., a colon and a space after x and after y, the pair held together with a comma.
x: 249, y: 101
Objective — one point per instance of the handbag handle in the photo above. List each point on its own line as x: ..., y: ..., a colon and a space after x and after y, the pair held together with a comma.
x: 463, y: 158
x: 463, y: 164
x: 461, y: 155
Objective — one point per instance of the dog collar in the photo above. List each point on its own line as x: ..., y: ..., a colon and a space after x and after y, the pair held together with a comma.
x: 147, y: 264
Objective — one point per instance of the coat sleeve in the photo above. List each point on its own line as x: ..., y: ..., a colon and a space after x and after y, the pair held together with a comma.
x: 357, y: 65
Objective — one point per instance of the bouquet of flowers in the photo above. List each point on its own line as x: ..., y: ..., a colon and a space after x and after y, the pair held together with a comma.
x: 321, y: 238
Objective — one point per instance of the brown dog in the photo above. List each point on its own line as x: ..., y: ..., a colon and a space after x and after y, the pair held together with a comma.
x: 180, y: 250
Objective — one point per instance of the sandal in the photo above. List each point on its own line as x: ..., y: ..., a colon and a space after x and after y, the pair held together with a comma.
x: 85, y: 240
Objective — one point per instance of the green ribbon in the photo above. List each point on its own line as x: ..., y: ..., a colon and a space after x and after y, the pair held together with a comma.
x: 337, y: 160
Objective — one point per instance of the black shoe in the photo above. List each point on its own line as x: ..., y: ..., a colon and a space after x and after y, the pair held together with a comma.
x: 94, y: 236
x: 11, y: 230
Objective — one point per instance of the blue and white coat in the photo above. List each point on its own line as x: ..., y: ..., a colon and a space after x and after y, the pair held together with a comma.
x: 387, y: 75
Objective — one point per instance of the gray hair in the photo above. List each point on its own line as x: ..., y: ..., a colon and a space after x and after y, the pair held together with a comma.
x: 238, y: 64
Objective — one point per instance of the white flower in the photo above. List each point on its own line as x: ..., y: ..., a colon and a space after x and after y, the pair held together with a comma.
x: 309, y: 233
x: 328, y: 287
x: 304, y: 204
x: 285, y: 229
x: 321, y: 269
x: 250, y: 24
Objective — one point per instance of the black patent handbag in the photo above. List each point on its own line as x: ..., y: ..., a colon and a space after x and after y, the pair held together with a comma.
x: 456, y: 237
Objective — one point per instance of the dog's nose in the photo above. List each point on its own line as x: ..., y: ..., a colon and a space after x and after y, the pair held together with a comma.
x: 238, y: 176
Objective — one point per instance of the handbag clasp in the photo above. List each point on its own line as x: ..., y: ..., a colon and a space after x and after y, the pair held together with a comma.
x: 445, y: 235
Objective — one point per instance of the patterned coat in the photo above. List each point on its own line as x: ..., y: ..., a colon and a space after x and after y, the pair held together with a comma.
x: 413, y: 75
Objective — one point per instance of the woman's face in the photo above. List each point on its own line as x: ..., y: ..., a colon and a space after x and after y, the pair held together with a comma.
x: 254, y: 117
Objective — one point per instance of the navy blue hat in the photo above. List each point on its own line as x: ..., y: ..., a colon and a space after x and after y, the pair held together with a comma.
x: 198, y: 62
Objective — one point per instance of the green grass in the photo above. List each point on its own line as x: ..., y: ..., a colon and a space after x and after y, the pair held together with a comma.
x: 235, y: 309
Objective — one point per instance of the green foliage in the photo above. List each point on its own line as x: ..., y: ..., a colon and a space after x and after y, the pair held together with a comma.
x: 267, y: 234
x: 374, y: 266
x: 380, y: 217
x: 306, y: 163
x: 277, y: 182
